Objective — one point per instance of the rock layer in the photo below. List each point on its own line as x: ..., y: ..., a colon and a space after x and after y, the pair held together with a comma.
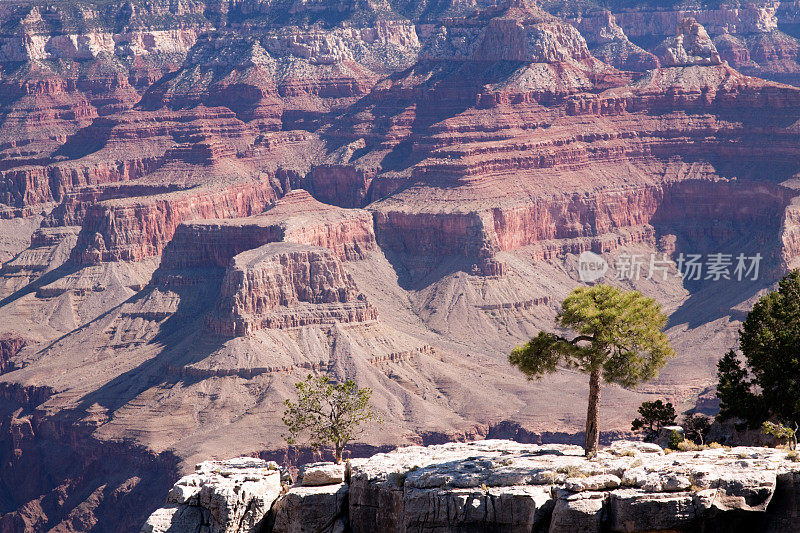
x: 285, y: 285
x: 473, y: 150
x: 505, y: 486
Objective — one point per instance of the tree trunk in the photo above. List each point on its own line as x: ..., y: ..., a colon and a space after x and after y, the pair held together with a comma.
x: 592, y: 415
x: 337, y: 453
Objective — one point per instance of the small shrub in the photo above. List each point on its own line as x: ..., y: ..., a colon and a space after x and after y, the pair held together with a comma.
x: 782, y: 432
x: 549, y: 476
x: 714, y: 445
x: 793, y: 456
x: 696, y: 427
x: 675, y: 439
x: 687, y: 446
x: 571, y: 471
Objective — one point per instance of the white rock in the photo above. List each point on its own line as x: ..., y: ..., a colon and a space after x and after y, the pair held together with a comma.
x: 315, y: 474
x: 174, y: 519
x: 598, y: 482
x: 229, y: 496
x: 183, y: 494
x: 319, y: 509
x: 631, y: 446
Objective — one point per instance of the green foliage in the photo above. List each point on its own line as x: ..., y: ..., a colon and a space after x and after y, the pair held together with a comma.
x: 734, y: 390
x: 619, y: 338
x: 619, y: 333
x: 654, y: 415
x: 695, y: 427
x: 768, y: 384
x: 782, y: 432
x: 331, y: 413
x: 770, y: 342
x: 675, y: 439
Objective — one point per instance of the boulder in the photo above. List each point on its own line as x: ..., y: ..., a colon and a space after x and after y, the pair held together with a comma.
x: 174, y: 519
x: 315, y: 474
x: 634, y: 447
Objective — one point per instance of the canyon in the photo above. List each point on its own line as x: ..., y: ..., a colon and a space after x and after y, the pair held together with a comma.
x: 201, y: 202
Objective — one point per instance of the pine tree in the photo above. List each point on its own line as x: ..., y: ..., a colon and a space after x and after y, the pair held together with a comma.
x: 619, y: 340
x: 767, y: 385
x: 734, y: 389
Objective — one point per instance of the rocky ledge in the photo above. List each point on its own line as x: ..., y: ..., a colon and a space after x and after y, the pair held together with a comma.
x: 496, y: 485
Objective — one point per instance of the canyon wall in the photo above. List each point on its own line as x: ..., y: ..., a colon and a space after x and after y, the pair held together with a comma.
x: 202, y: 202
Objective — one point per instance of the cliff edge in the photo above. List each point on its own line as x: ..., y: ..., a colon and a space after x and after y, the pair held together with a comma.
x: 495, y: 485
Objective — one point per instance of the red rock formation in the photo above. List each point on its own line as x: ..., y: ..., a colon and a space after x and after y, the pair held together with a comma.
x: 341, y: 185
x: 132, y: 229
x: 296, y: 218
x: 479, y: 235
x: 485, y: 147
x: 283, y: 285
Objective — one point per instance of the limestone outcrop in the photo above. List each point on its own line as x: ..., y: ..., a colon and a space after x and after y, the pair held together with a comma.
x: 505, y: 486
x: 222, y: 496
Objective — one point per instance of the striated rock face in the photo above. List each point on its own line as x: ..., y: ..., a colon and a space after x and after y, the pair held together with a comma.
x: 691, y: 46
x: 504, y: 486
x: 296, y: 217
x: 132, y: 229
x: 285, y: 285
x: 172, y: 281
